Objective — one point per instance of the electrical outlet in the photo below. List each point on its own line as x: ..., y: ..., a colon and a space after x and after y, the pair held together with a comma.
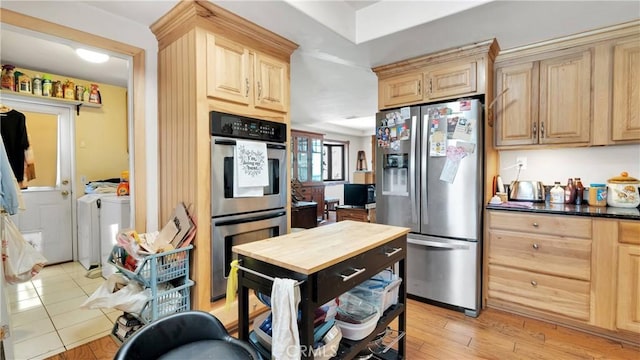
x: 522, y: 161
x: 83, y: 180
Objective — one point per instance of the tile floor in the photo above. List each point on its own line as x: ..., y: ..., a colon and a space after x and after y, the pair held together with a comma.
x: 46, y: 315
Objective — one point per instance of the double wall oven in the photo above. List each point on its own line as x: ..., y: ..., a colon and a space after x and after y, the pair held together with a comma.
x: 236, y: 219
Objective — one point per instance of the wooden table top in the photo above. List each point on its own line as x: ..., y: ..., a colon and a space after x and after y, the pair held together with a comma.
x: 312, y: 250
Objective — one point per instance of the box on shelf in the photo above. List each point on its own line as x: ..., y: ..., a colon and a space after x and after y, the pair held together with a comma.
x: 363, y: 177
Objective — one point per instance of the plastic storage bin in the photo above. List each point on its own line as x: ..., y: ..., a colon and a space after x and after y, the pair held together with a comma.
x: 168, y: 302
x: 381, y: 290
x: 156, y: 268
x: 356, y: 317
x: 331, y: 339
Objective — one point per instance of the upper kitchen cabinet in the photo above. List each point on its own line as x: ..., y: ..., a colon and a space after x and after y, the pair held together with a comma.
x: 241, y: 75
x: 449, y: 74
x: 544, y: 102
x: 580, y: 90
x: 210, y: 59
x: 626, y: 89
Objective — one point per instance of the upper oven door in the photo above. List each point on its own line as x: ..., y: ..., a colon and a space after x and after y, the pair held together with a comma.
x: 223, y: 200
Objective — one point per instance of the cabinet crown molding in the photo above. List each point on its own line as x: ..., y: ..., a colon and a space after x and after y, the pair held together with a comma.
x: 587, y: 38
x: 481, y: 48
x: 187, y: 15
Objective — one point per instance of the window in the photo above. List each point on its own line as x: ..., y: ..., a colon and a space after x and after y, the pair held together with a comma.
x: 334, y: 159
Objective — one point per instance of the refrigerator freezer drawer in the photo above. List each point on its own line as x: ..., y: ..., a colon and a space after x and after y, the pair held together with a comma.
x: 444, y: 270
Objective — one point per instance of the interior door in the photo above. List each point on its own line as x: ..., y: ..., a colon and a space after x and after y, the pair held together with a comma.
x: 47, y: 220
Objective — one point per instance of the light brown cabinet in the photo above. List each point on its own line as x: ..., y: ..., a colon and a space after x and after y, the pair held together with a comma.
x: 210, y: 59
x: 628, y: 309
x: 444, y: 75
x: 574, y: 270
x: 545, y: 102
x: 575, y: 91
x: 245, y: 76
x: 540, y: 262
x: 626, y: 89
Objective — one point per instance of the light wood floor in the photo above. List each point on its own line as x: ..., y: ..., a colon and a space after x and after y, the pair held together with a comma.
x: 437, y: 333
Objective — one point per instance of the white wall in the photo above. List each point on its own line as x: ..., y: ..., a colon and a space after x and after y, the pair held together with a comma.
x: 591, y: 165
x: 87, y: 18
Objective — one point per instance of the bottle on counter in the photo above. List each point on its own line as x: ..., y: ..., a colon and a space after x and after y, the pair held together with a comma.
x: 597, y: 195
x: 579, y: 191
x: 556, y: 194
x: 569, y: 192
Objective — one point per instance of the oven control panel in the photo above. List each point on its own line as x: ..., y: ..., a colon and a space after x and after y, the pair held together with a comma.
x: 235, y: 126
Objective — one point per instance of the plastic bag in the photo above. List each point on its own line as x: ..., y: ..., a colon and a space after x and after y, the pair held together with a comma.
x: 20, y: 260
x: 117, y: 292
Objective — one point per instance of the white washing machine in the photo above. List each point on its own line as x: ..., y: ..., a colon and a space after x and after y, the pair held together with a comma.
x: 100, y: 217
x: 115, y: 215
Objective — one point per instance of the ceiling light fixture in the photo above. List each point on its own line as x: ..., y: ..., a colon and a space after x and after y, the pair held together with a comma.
x: 92, y: 56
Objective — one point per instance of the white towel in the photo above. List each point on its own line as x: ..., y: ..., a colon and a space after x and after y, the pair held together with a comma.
x: 250, y: 169
x: 285, y: 296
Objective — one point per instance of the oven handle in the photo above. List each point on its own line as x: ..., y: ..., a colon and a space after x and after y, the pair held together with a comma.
x: 250, y: 219
x: 233, y: 143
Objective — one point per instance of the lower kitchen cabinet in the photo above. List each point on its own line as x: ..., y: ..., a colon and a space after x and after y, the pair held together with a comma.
x: 628, y: 309
x: 578, y: 271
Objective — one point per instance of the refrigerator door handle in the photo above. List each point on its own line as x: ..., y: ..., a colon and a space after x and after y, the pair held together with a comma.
x: 437, y: 244
x: 412, y: 171
x: 425, y: 151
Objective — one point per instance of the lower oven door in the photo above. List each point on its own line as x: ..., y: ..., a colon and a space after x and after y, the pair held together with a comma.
x: 233, y: 230
x: 223, y: 199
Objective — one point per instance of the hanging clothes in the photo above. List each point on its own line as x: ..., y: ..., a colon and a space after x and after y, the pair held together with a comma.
x: 10, y: 195
x: 13, y: 129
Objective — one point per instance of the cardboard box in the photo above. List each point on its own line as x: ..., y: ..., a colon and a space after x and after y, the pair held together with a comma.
x: 363, y: 177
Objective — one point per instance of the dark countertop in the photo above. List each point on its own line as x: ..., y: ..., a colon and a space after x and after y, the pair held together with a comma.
x: 304, y: 204
x: 565, y: 209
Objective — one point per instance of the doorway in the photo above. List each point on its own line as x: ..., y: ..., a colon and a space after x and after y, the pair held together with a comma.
x: 47, y: 221
x: 136, y: 90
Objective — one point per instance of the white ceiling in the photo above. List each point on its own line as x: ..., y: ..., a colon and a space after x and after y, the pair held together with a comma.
x: 332, y: 85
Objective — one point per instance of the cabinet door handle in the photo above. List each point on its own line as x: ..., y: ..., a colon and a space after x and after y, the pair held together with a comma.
x: 395, y: 251
x: 356, y: 273
x: 542, y: 129
x: 246, y: 93
x: 419, y: 87
x: 534, y: 283
x: 259, y: 90
x: 535, y: 131
x: 535, y: 224
x: 535, y: 246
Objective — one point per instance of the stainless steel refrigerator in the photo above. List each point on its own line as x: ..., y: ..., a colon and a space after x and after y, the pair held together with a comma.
x: 429, y: 171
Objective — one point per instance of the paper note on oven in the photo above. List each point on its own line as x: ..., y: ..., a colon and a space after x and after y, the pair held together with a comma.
x: 251, y: 168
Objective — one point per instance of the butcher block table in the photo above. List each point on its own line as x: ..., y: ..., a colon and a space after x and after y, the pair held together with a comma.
x: 327, y: 261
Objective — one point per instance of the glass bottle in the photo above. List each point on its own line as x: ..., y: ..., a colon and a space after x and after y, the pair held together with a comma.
x: 47, y: 85
x: 37, y: 85
x: 8, y: 80
x: 569, y: 192
x: 579, y: 191
x: 556, y: 194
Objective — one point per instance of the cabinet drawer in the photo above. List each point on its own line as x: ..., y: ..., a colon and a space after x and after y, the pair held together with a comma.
x: 546, y: 254
x: 629, y: 232
x: 554, y: 294
x: 559, y: 225
x: 331, y: 281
